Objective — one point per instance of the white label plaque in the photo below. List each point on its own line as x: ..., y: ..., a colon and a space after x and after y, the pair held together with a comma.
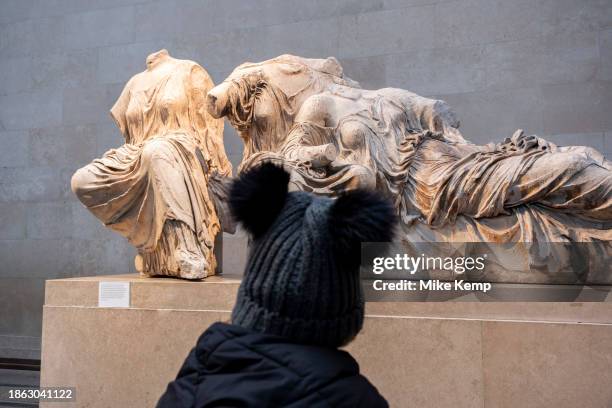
x: 114, y: 294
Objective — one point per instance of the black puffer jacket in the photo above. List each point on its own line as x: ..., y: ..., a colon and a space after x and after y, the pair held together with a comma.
x: 234, y: 367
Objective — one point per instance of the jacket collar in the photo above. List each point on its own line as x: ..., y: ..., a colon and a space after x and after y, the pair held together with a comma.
x: 305, y: 360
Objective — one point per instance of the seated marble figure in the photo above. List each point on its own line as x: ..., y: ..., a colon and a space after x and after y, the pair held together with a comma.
x: 164, y: 188
x: 335, y: 136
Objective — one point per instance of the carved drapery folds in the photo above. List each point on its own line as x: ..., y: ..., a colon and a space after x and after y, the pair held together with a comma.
x: 334, y: 136
x: 163, y: 189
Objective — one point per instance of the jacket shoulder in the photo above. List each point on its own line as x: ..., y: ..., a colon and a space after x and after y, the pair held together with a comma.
x: 233, y: 367
x: 182, y: 391
x: 354, y: 391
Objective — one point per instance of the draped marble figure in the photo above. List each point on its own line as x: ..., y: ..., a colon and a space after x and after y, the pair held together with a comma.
x: 335, y: 136
x: 163, y: 189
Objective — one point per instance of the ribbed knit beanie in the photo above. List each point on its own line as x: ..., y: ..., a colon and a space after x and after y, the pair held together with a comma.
x: 302, y: 275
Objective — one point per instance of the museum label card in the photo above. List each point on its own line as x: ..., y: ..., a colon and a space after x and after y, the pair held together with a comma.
x: 114, y: 294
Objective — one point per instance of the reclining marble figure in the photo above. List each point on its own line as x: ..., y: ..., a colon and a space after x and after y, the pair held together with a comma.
x: 163, y: 189
x: 335, y: 136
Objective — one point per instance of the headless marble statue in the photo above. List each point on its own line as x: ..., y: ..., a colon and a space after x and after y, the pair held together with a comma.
x: 335, y: 136
x: 163, y: 189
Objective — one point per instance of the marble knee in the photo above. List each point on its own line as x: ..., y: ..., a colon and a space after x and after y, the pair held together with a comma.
x: 363, y: 177
x: 353, y: 135
x: 80, y: 181
x: 154, y: 150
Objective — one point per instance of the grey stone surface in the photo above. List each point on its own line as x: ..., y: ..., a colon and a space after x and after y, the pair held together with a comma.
x: 491, y: 115
x: 30, y: 184
x: 31, y: 109
x: 12, y: 221
x: 20, y: 302
x: 15, y: 148
x: 62, y: 146
x: 387, y: 31
x: 457, y: 70
x: 118, y: 63
x: 31, y: 73
x: 90, y: 104
x: 46, y: 221
x: 541, y: 65
x: 19, y: 347
x: 370, y: 72
x: 577, y: 107
x: 607, y: 151
x: 542, y: 60
x: 90, y: 29
x: 605, y: 50
x: 40, y: 36
x: 106, y: 137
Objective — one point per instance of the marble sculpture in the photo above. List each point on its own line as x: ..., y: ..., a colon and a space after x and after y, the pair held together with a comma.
x: 164, y: 188
x: 335, y: 136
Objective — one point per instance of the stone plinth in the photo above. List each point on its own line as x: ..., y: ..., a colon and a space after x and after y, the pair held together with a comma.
x: 459, y: 354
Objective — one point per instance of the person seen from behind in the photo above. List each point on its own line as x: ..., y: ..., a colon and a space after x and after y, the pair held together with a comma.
x: 299, y: 301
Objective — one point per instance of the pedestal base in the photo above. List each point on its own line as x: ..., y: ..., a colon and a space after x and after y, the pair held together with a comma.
x: 418, y: 354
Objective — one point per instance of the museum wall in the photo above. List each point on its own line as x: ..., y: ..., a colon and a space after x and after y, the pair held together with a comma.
x: 541, y: 65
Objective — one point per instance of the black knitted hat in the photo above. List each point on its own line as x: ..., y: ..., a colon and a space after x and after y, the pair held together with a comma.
x: 302, y: 276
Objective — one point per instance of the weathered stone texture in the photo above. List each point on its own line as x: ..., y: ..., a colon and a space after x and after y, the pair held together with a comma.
x: 541, y: 65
